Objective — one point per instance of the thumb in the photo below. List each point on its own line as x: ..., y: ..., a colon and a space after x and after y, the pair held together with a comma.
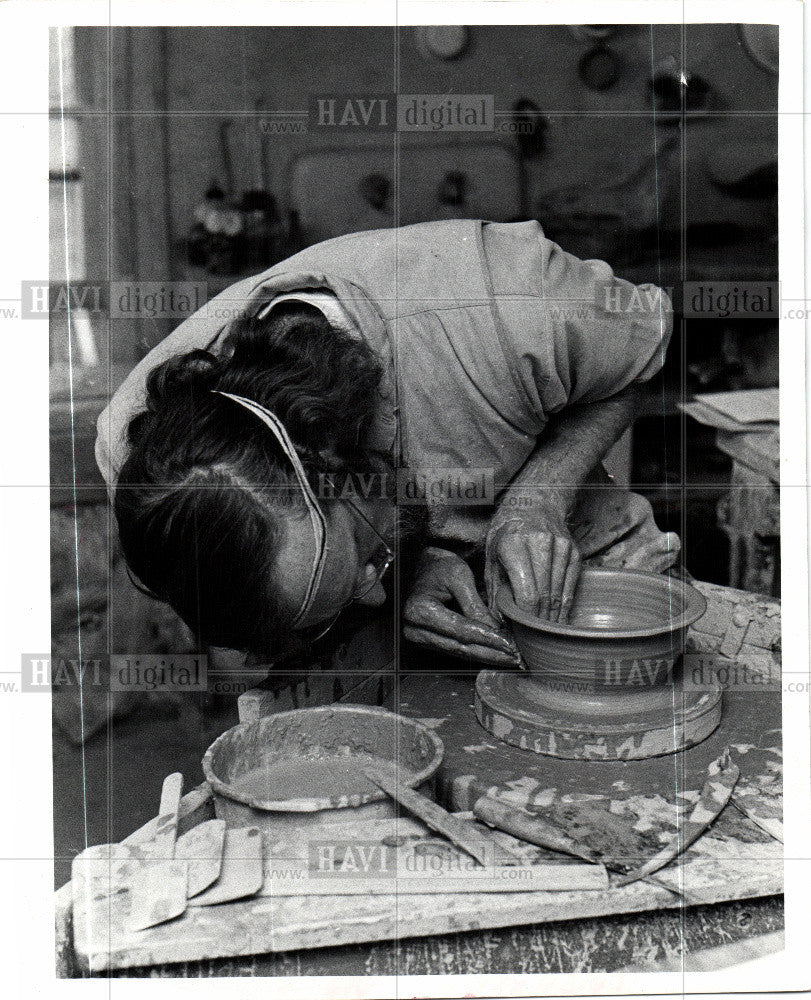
x: 492, y: 581
x: 462, y: 586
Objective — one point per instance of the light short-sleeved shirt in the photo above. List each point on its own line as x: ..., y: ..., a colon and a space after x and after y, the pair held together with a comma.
x: 485, y: 331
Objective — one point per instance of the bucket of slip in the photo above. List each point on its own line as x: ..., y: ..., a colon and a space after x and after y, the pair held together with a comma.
x: 306, y: 767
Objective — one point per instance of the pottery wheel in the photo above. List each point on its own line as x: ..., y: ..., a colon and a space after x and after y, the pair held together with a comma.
x: 627, y: 725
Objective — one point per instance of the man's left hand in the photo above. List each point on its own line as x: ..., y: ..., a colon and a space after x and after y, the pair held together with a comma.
x: 429, y: 620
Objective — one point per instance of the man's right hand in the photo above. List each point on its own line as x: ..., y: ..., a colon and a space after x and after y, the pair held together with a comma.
x: 535, y: 552
x: 428, y: 620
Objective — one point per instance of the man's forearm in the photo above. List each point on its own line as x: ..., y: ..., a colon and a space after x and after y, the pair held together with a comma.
x: 570, y: 448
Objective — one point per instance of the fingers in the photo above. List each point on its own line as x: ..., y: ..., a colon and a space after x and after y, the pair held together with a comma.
x: 543, y: 568
x: 516, y: 560
x: 566, y: 569
x: 492, y: 581
x: 563, y: 551
x: 474, y: 634
x: 430, y: 614
x: 570, y: 584
x: 462, y: 585
x: 541, y: 547
x: 471, y: 651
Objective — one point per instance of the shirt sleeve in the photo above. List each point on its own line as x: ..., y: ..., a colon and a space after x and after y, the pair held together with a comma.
x: 606, y: 333
x: 574, y: 332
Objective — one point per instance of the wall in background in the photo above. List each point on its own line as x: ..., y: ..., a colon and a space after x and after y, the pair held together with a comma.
x: 597, y: 179
x: 595, y: 139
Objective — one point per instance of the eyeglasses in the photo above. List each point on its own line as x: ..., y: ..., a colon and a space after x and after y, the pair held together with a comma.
x: 380, y: 561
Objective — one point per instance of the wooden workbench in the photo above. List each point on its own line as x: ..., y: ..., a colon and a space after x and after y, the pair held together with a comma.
x: 737, y: 624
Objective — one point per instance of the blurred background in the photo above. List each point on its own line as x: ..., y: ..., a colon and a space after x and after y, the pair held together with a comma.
x: 188, y: 154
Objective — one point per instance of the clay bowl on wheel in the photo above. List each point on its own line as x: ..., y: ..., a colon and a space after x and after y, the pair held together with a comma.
x: 270, y: 772
x: 626, y: 630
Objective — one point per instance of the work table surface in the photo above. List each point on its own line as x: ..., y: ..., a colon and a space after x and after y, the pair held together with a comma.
x: 737, y: 624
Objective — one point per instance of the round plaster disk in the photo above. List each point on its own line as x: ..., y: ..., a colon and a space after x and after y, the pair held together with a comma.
x: 630, y: 725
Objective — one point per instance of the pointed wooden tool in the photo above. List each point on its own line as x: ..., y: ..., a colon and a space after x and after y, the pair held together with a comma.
x: 532, y: 828
x: 159, y: 889
x: 458, y: 832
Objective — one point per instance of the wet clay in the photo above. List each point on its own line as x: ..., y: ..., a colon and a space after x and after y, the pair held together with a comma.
x: 311, y: 777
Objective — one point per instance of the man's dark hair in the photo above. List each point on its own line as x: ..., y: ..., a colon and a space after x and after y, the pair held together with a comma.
x: 200, y: 500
